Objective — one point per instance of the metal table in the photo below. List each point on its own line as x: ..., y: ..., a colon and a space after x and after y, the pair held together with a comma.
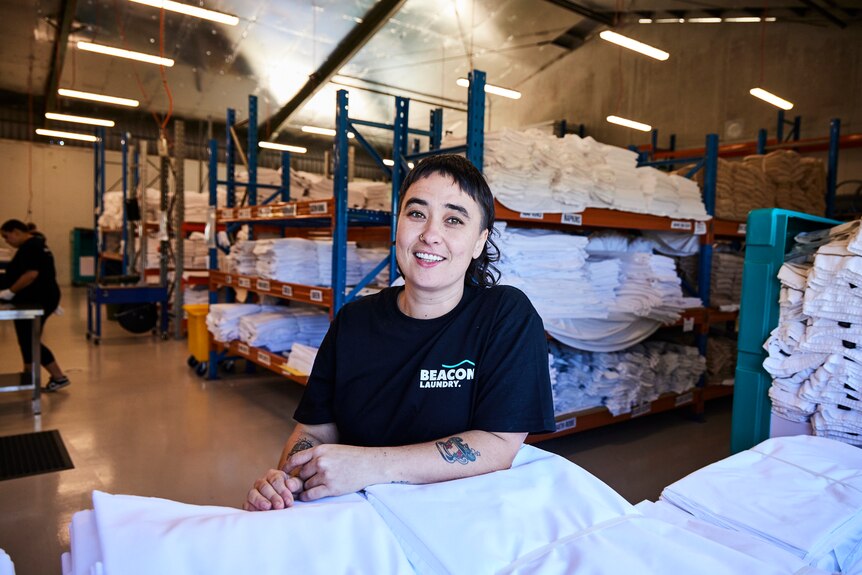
x: 12, y: 381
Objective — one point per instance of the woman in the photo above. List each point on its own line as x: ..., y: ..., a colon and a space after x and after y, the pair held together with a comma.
x: 438, y: 380
x: 31, y: 280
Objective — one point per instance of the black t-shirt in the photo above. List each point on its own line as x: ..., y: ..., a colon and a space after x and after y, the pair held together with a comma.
x: 33, y: 255
x: 386, y: 379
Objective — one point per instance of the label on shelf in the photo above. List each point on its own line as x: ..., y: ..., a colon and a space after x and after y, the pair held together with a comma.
x: 688, y: 324
x: 687, y: 397
x: 532, y: 215
x: 287, y: 291
x: 679, y: 225
x: 263, y: 357
x: 226, y: 213
x: 318, y: 208
x: 741, y: 229
x: 566, y: 424
x: 288, y: 211
x: 242, y: 348
x: 572, y: 219
x: 699, y: 228
x: 228, y: 279
x: 641, y: 409
x: 264, y: 212
x: 244, y: 213
x: 315, y: 295
x: 244, y: 282
x: 262, y: 285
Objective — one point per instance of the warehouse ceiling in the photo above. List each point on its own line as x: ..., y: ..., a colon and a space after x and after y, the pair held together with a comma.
x: 294, y: 54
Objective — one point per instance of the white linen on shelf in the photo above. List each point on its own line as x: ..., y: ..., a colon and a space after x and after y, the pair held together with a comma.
x: 223, y: 319
x: 280, y: 327
x: 301, y: 358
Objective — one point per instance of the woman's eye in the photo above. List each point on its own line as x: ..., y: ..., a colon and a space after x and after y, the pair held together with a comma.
x: 453, y: 220
x: 415, y: 214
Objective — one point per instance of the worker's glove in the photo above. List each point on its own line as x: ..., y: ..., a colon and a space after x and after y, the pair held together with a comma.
x: 6, y: 295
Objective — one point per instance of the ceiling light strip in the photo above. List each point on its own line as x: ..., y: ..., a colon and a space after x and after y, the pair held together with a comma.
x: 771, y: 98
x: 98, y: 98
x: 492, y: 89
x: 191, y: 11
x: 629, y: 123
x: 79, y: 119
x: 634, y: 45
x: 322, y: 131
x: 121, y: 53
x: 66, y: 135
x: 282, y: 147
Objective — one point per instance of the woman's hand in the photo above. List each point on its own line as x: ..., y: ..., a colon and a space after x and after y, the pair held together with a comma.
x: 332, y: 469
x: 275, y: 490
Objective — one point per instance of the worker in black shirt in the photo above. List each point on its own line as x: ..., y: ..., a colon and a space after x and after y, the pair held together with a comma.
x: 31, y: 279
x: 437, y: 380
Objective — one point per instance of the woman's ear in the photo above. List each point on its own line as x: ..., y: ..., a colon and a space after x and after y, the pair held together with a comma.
x: 480, y: 244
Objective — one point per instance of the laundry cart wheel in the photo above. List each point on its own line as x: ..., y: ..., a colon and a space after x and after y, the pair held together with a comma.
x: 192, y: 361
x: 201, y: 369
x: 228, y: 366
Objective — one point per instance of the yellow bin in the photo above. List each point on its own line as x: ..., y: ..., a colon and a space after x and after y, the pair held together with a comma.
x: 199, y: 343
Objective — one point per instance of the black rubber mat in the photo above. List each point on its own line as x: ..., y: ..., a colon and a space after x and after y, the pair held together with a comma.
x: 32, y: 454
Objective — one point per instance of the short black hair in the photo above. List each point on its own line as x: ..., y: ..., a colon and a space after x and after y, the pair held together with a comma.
x: 10, y: 225
x: 481, y: 271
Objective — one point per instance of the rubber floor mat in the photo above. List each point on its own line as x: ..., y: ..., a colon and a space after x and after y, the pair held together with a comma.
x: 32, y: 454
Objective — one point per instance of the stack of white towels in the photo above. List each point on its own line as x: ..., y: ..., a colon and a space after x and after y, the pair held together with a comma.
x: 301, y: 358
x: 814, y: 352
x: 111, y: 217
x: 725, y: 281
x: 279, y: 328
x: 602, y: 293
x: 533, y: 171
x: 223, y: 318
x: 241, y: 259
x: 195, y: 251
x: 720, y: 360
x: 197, y: 204
x: 621, y: 380
x: 801, y: 494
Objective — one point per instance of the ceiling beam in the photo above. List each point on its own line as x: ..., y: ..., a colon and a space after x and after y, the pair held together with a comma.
x: 825, y: 13
x: 64, y: 27
x: 346, y: 49
x: 602, y: 18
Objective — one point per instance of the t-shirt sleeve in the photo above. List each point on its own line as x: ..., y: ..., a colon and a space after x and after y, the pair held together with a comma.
x: 316, y: 405
x: 515, y: 384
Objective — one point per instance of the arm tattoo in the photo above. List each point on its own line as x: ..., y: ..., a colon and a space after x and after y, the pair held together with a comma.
x: 456, y: 449
x: 301, y: 445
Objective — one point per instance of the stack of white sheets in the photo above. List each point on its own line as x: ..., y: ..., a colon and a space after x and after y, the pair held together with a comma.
x: 241, y: 259
x: 196, y: 294
x: 279, y: 328
x: 378, y: 196
x: 195, y: 251
x: 533, y: 171
x: 287, y: 259
x: 621, y: 380
x: 223, y: 319
x: 720, y: 360
x: 197, y: 204
x: 112, y: 210
x: 814, y: 355
x: 725, y: 287
x: 802, y: 494
x: 301, y: 358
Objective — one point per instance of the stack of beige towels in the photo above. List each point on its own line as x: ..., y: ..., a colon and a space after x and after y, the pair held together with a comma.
x: 781, y: 179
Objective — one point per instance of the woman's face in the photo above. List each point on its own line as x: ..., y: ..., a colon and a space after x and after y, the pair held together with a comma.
x: 439, y: 233
x: 14, y: 237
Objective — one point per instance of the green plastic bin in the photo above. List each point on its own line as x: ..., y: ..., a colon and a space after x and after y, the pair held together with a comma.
x: 83, y: 252
x: 769, y: 236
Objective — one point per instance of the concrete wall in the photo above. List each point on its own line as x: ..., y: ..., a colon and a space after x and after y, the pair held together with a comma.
x: 704, y: 85
x: 61, y: 181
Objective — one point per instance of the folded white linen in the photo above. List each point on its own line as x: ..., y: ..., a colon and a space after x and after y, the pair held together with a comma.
x: 143, y: 535
x: 6, y: 565
x: 784, y: 479
x: 484, y: 523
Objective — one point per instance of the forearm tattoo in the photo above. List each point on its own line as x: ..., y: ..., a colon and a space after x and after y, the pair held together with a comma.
x: 455, y: 450
x: 301, y: 445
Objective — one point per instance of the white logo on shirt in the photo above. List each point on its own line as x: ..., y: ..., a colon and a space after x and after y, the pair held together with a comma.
x: 449, y: 376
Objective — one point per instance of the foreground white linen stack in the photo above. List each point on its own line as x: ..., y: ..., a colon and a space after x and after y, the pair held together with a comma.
x: 6, y: 565
x: 533, y: 171
x: 223, y: 319
x: 621, y: 380
x: 814, y: 355
x: 803, y: 494
x: 279, y: 328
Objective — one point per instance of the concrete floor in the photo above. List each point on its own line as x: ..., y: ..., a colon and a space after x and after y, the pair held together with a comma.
x: 137, y: 420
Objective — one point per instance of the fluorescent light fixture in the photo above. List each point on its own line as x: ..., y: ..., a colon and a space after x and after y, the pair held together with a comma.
x: 705, y: 20
x: 120, y: 53
x: 771, y: 98
x: 282, y: 147
x: 492, y: 89
x: 191, y: 11
x: 743, y: 19
x: 323, y: 131
x: 98, y: 98
x: 629, y: 123
x: 669, y: 20
x: 79, y: 119
x: 645, y: 21
x: 631, y: 44
x: 388, y: 162
x: 66, y: 135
